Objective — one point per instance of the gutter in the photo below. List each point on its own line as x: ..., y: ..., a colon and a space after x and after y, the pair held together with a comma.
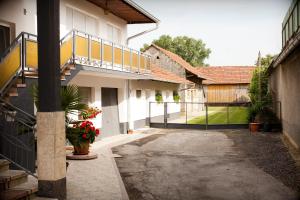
x: 144, y: 32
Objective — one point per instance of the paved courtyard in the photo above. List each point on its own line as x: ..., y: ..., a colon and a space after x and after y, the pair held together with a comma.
x: 208, y: 165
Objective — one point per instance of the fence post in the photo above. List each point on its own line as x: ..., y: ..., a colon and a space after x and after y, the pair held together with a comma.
x: 206, y: 117
x: 165, y: 114
x: 23, y: 57
x: 89, y: 49
x: 186, y: 111
x: 227, y: 114
x: 149, y: 114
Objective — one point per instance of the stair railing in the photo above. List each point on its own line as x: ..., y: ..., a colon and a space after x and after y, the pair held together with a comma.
x: 17, y: 137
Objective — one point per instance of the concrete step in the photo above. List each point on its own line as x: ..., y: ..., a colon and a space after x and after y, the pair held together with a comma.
x: 4, y: 165
x: 13, y: 195
x: 30, y: 187
x: 12, y: 178
x: 21, y: 85
x: 71, y: 66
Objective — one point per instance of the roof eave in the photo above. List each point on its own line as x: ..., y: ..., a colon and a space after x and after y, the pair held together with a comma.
x: 142, y: 11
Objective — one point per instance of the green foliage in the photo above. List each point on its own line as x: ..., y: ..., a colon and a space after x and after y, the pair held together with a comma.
x: 267, y: 60
x: 70, y: 100
x: 261, y: 99
x: 191, y: 50
x: 176, y: 97
x: 158, y: 97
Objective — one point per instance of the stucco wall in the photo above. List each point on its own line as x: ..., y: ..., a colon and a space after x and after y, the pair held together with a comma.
x: 22, y: 13
x: 285, y: 87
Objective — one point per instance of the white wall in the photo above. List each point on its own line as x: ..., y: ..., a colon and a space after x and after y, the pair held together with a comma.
x: 93, y: 11
x: 96, y: 83
x: 140, y: 107
x: 12, y: 11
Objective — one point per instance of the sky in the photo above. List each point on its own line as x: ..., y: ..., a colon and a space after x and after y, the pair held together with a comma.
x: 234, y: 30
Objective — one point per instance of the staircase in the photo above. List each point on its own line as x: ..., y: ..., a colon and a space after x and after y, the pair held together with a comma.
x: 16, y: 184
x: 20, y: 61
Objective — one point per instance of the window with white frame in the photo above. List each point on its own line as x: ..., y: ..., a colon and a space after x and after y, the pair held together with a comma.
x: 82, y: 22
x: 113, y: 34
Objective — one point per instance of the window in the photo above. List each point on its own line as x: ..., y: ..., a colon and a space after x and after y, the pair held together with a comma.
x: 138, y: 94
x: 86, y: 93
x: 113, y: 34
x: 82, y: 22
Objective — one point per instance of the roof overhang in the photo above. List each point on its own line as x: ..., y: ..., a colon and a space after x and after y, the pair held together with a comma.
x: 126, y: 10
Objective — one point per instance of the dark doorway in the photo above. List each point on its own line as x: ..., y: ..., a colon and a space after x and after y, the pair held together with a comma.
x: 4, y: 38
x: 110, y: 112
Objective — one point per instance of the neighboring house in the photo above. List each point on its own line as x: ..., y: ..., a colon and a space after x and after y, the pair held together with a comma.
x: 227, y: 83
x: 284, y: 77
x: 94, y: 56
x: 172, y: 63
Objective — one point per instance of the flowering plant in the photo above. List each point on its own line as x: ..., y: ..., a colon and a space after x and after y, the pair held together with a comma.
x: 90, y: 113
x: 86, y: 131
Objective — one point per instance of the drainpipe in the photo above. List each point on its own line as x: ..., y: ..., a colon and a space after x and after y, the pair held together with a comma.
x: 129, y: 126
x: 142, y: 33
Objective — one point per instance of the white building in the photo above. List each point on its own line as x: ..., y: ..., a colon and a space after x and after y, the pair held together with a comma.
x: 94, y: 56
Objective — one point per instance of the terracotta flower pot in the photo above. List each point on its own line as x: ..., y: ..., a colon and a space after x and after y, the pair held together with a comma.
x: 83, y: 149
x: 254, y: 127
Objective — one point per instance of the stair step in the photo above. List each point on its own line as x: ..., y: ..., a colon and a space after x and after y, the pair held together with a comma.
x: 13, y: 94
x: 21, y: 85
x: 13, y: 195
x: 12, y: 178
x: 71, y: 66
x: 67, y: 73
x: 4, y: 165
x: 30, y: 187
x: 31, y: 74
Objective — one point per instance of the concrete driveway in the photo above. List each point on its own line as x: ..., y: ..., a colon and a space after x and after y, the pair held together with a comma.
x: 191, y: 164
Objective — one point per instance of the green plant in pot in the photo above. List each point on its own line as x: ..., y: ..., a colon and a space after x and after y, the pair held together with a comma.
x: 261, y: 100
x: 158, y: 97
x: 176, y: 97
x: 81, y: 135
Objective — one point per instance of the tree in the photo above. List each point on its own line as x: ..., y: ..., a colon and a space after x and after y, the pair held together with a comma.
x: 267, y: 60
x: 191, y: 50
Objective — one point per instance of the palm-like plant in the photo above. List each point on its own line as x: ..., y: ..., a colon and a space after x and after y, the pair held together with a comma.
x: 71, y: 100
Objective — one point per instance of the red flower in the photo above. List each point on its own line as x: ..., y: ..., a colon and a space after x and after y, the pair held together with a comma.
x: 84, y: 136
x: 97, y: 132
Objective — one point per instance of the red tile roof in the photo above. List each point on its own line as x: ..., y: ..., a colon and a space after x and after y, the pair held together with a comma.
x: 163, y: 75
x: 176, y: 58
x: 227, y: 74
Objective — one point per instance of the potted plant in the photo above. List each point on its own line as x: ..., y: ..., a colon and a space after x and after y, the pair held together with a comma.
x: 260, y: 99
x: 81, y: 135
x: 158, y: 97
x: 176, y: 97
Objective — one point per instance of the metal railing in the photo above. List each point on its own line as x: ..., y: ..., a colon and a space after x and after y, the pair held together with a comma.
x: 97, y: 52
x: 291, y: 23
x: 76, y: 48
x: 17, y: 134
x: 170, y: 114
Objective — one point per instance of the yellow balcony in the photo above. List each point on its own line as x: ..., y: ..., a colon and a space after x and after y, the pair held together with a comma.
x: 77, y: 48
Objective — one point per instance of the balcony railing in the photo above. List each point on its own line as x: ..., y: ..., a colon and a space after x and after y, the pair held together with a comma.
x: 291, y: 23
x: 77, y: 48
x: 97, y: 52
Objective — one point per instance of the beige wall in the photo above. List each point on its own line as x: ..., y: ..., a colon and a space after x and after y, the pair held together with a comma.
x: 285, y: 87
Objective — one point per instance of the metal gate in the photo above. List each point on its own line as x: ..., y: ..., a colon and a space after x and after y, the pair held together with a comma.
x: 196, y: 115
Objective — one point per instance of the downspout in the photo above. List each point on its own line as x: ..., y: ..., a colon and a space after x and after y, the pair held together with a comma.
x: 142, y: 33
x: 129, y: 127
